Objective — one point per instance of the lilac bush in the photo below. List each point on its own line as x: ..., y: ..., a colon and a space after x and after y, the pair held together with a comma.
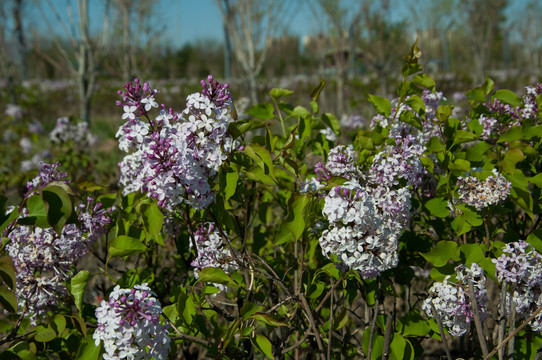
x: 275, y: 235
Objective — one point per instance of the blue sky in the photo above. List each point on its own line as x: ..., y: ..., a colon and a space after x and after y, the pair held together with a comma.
x: 183, y: 20
x: 192, y: 20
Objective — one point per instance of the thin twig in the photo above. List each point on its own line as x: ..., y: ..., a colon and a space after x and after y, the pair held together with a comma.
x: 330, y: 323
x: 387, y: 336
x: 185, y: 336
x: 441, y: 329
x: 373, y: 322
x: 514, y: 333
x: 502, y: 322
x: 477, y: 320
x: 308, y: 311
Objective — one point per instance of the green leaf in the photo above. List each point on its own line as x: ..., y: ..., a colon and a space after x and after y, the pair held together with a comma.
x: 230, y: 186
x: 443, y: 251
x: 249, y: 309
x: 278, y: 93
x: 187, y: 308
x: 535, y: 240
x: 7, y: 271
x: 44, y: 334
x: 514, y: 133
x: 507, y: 97
x: 401, y: 349
x: 460, y: 225
x: 59, y: 323
x: 438, y: 207
x: 88, y: 186
x: 413, y: 324
x: 381, y: 104
x: 315, y: 93
x: 471, y: 254
x: 6, y: 219
x: 37, y: 213
x: 332, y: 121
x: 215, y: 275
x: 264, y: 345
x: 59, y: 206
x: 268, y: 319
x: 88, y: 350
x: 8, y: 300
x: 377, y: 345
x: 170, y: 311
x: 262, y: 111
x: 295, y: 221
x: 511, y: 158
x: 417, y: 104
x: 78, y: 284
x: 341, y: 319
x: 463, y: 136
x: 424, y: 80
x: 124, y: 245
x: 261, y: 157
x: 411, y: 119
x: 153, y: 218
x: 459, y: 165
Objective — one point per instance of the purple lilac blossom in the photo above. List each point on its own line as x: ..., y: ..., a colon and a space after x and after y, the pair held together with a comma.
x: 129, y: 325
x: 520, y: 267
x: 79, y: 133
x: 211, y: 250
x: 481, y: 194
x: 43, y: 259
x: 176, y: 156
x: 452, y: 301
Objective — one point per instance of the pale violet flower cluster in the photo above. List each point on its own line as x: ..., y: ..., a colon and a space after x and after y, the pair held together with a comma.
x: 66, y: 130
x: 44, y: 260
x: 175, y: 157
x: 365, y: 218
x: 399, y: 162
x: 129, y: 325
x: 400, y: 129
x: 483, y: 193
x: 520, y: 267
x: 211, y: 250
x: 452, y: 300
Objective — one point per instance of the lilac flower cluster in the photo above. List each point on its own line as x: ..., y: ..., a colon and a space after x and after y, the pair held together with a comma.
x: 211, y: 251
x: 177, y: 155
x: 400, y: 129
x: 503, y: 116
x: 480, y: 194
x: 342, y: 161
x: 452, y: 301
x: 44, y: 260
x: 365, y: 218
x: 521, y: 268
x: 399, y: 162
x: 79, y: 133
x: 129, y: 325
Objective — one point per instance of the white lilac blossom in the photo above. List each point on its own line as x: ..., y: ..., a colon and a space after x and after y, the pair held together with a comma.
x: 365, y: 224
x: 399, y: 162
x: 129, y: 325
x: 211, y: 250
x: 342, y: 161
x: 483, y: 193
x: 520, y: 267
x: 44, y: 259
x: 400, y: 129
x: 452, y: 300
x: 65, y: 130
x: 176, y: 156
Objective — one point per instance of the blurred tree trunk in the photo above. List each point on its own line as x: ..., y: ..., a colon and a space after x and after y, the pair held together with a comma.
x: 248, y: 24
x: 88, y: 54
x: 483, y: 22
